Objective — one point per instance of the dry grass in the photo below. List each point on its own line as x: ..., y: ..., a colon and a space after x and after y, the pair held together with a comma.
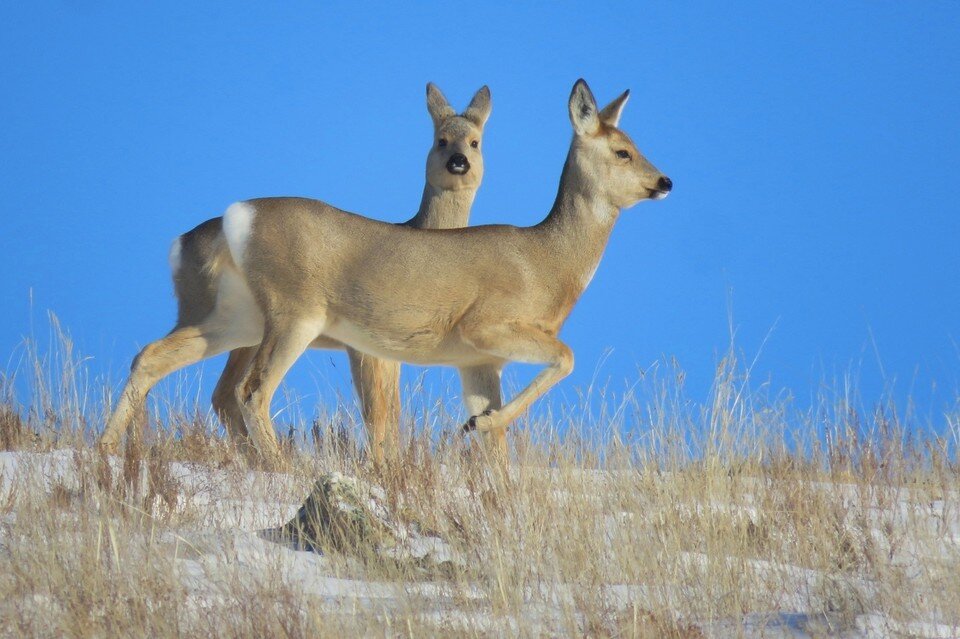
x: 681, y: 521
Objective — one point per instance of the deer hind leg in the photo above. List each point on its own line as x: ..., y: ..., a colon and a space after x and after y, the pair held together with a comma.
x: 527, y: 344
x: 377, y: 382
x: 481, y: 393
x: 280, y: 348
x: 184, y: 345
x: 224, y: 399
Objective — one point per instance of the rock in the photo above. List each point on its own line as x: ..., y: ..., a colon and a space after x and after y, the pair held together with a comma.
x: 337, y: 515
x: 347, y: 515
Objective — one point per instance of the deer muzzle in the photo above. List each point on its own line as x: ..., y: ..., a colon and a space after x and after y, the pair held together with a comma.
x: 458, y: 164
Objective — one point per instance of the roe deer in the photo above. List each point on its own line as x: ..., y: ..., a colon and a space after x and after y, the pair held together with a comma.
x: 199, y: 257
x: 474, y: 298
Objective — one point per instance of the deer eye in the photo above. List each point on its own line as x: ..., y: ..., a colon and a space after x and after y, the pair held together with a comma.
x: 474, y: 144
x: 623, y: 155
x: 442, y: 142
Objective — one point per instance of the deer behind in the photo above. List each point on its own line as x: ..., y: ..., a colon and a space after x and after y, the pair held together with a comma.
x: 209, y: 293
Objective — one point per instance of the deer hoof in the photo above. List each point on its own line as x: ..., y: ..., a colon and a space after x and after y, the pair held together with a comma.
x: 482, y: 422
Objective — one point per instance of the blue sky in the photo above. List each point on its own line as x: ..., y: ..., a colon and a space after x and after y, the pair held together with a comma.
x: 813, y: 147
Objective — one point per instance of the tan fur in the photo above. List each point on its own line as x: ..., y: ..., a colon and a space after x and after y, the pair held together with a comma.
x: 474, y: 298
x: 204, y: 256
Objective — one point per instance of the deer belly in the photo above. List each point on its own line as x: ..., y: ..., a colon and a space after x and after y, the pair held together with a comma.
x: 421, y: 345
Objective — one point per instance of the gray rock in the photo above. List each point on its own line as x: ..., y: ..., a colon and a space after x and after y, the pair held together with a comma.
x: 346, y: 515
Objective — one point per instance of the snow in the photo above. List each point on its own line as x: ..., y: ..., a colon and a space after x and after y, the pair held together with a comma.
x: 230, y: 539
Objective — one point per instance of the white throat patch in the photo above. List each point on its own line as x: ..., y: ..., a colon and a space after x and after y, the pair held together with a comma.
x: 585, y: 281
x: 175, y: 254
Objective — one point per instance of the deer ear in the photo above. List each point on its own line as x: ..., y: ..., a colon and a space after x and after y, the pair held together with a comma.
x: 480, y: 106
x: 610, y: 115
x: 583, y: 109
x: 437, y: 105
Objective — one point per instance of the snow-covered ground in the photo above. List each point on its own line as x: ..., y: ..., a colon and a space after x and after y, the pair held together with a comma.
x: 219, y: 541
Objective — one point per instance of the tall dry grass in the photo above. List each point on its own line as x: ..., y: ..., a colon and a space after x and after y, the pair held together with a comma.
x: 733, y: 516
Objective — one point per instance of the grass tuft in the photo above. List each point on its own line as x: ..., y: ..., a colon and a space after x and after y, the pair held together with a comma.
x: 653, y: 516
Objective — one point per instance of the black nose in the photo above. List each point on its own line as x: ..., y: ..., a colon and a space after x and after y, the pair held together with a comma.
x: 665, y: 184
x: 458, y: 164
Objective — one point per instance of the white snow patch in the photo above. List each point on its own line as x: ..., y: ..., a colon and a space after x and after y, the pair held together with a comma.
x: 881, y: 625
x: 222, y: 545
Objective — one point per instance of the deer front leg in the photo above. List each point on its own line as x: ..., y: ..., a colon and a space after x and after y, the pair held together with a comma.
x: 527, y: 344
x: 377, y: 382
x: 481, y: 393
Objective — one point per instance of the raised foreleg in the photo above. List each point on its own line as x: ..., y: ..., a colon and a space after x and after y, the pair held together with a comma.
x: 519, y: 343
x: 481, y: 393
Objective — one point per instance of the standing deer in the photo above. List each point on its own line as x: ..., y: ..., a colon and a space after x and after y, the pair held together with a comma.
x: 212, y: 300
x: 474, y: 298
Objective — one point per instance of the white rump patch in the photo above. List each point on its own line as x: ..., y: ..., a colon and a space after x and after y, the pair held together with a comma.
x: 174, y: 256
x: 237, y: 224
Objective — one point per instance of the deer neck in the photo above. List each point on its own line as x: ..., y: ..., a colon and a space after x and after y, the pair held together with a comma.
x: 579, y: 225
x: 443, y: 209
